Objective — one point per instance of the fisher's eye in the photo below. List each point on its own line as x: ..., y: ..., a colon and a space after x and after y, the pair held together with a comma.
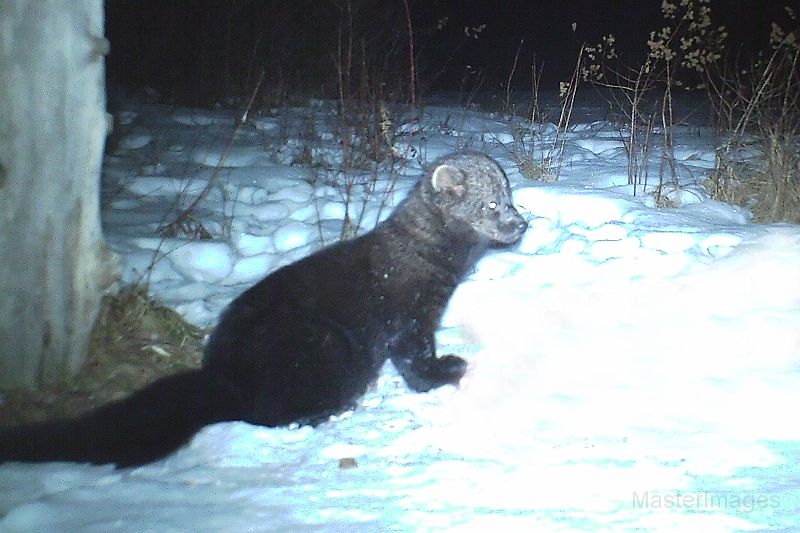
x: 492, y: 205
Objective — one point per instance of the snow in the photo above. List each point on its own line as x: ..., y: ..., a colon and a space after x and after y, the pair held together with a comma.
x: 632, y: 368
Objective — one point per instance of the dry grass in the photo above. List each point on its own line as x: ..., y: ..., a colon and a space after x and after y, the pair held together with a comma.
x: 771, y: 191
x: 135, y: 341
x: 777, y: 190
x: 760, y: 111
x: 536, y: 159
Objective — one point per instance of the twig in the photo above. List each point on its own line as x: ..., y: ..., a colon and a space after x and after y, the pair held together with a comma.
x: 412, y: 71
x: 185, y: 217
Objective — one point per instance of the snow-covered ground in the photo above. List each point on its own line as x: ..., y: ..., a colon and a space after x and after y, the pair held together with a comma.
x: 633, y: 367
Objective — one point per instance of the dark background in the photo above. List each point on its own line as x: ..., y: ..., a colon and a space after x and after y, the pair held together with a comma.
x: 201, y: 51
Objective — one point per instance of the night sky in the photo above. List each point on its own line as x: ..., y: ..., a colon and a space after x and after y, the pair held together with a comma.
x: 192, y: 49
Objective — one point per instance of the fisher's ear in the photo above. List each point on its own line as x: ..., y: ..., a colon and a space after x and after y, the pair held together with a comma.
x: 447, y: 178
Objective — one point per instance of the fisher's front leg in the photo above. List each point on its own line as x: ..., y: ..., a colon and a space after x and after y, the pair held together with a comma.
x: 414, y: 356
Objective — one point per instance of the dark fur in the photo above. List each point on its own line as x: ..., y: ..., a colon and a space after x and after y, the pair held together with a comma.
x: 306, y: 341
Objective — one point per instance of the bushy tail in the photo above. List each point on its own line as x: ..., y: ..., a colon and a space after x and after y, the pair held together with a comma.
x: 139, y: 429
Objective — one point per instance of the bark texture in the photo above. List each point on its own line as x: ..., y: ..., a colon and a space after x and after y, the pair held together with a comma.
x: 54, y: 264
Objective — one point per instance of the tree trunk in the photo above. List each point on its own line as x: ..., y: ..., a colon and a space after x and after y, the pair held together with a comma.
x: 54, y: 264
